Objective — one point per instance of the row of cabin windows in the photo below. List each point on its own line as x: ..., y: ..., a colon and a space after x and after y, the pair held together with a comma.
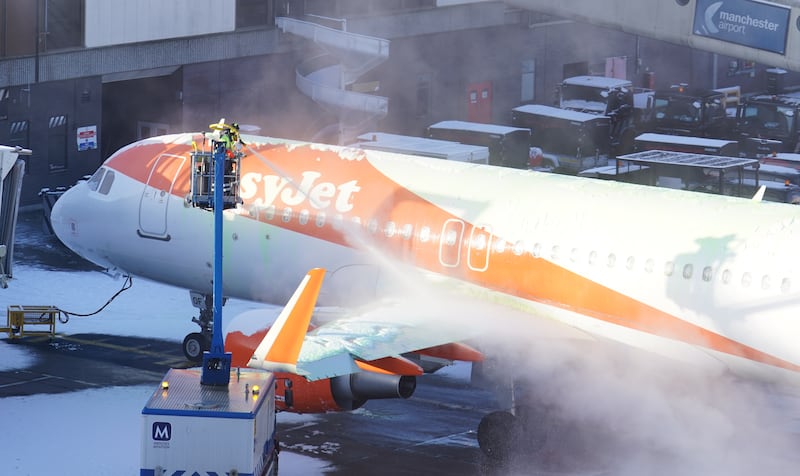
x: 480, y: 242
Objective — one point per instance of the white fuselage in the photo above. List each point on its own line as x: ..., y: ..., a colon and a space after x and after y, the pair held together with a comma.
x: 706, y: 274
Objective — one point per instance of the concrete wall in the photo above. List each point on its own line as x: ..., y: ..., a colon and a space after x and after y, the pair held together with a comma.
x: 112, y: 22
x: 79, y: 102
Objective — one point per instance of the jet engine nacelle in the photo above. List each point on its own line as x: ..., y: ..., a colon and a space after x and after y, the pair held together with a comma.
x: 294, y: 393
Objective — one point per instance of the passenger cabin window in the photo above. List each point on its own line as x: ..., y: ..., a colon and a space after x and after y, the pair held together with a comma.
x: 407, y: 231
x: 669, y: 267
x: 390, y: 230
x: 304, y: 216
x: 270, y: 213
x: 425, y: 234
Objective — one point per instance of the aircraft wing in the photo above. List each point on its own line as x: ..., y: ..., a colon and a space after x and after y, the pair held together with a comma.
x: 376, y: 337
x: 386, y: 331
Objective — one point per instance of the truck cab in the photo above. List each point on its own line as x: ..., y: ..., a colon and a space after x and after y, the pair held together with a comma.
x: 591, y: 94
x: 685, y: 111
x: 626, y: 107
x: 769, y: 120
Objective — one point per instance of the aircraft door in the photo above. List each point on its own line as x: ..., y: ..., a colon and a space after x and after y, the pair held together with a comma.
x: 450, y: 243
x: 480, y: 242
x: 154, y: 202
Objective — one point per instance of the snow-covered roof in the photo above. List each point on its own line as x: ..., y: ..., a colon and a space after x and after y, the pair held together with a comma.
x: 567, y: 114
x: 476, y: 127
x: 598, y: 82
x: 683, y: 140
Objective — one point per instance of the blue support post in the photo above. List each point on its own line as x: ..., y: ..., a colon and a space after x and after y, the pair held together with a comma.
x: 217, y: 362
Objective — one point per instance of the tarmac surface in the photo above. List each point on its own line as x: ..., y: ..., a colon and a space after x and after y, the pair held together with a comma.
x: 433, y: 432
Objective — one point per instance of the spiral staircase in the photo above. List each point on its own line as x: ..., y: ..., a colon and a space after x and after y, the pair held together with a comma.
x: 326, y: 78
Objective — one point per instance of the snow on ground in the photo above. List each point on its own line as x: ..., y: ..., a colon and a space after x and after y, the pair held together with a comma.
x: 96, y: 431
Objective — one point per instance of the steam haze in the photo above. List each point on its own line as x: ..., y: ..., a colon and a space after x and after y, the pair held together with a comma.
x: 623, y: 411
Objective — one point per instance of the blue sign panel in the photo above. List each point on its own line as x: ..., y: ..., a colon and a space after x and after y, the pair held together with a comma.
x: 162, y: 431
x: 744, y: 22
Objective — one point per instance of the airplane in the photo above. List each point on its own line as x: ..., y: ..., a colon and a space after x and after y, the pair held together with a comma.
x: 423, y: 256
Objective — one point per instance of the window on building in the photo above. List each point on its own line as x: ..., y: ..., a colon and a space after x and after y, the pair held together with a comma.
x: 63, y: 21
x: 18, y: 37
x: 423, y: 95
x: 4, y: 94
x: 18, y: 134
x: 527, y: 94
x: 152, y: 129
x: 343, y: 8
x: 252, y: 13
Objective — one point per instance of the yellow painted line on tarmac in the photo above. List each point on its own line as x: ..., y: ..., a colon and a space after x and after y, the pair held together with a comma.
x: 121, y: 348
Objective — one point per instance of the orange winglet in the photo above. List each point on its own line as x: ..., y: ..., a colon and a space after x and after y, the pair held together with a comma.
x: 453, y: 351
x: 281, y: 346
x: 391, y: 366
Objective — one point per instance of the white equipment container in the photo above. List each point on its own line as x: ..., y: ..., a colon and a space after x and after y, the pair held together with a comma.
x: 189, y: 428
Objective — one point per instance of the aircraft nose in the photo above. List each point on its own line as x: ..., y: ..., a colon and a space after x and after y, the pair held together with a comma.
x: 63, y: 220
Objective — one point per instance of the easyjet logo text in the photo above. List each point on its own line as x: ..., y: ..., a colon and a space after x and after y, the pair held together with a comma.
x: 265, y: 190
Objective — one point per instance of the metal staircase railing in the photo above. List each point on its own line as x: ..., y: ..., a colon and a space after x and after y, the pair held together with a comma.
x: 325, y: 78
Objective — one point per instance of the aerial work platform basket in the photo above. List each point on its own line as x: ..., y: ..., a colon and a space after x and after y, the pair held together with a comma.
x: 20, y: 319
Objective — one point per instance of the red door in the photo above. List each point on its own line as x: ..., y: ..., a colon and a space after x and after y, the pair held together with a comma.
x: 479, y: 102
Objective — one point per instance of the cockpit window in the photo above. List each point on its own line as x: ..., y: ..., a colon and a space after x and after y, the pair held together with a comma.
x: 95, y: 179
x: 108, y: 180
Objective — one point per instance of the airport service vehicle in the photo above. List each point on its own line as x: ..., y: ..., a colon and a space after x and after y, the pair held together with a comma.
x: 685, y: 111
x: 627, y: 108
x: 768, y: 123
x: 438, y: 149
x: 570, y: 141
x: 423, y: 255
x: 508, y: 146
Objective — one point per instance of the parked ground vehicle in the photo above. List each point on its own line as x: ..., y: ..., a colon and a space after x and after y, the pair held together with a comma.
x: 571, y: 141
x: 627, y: 108
x: 508, y: 146
x: 782, y: 184
x: 767, y: 123
x: 685, y: 111
x: 690, y: 171
x: 438, y: 149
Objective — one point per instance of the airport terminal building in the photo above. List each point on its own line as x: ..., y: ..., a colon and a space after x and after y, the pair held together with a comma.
x: 81, y: 78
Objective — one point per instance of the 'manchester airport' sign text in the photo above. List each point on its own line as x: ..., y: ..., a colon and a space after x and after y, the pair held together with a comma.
x: 745, y: 22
